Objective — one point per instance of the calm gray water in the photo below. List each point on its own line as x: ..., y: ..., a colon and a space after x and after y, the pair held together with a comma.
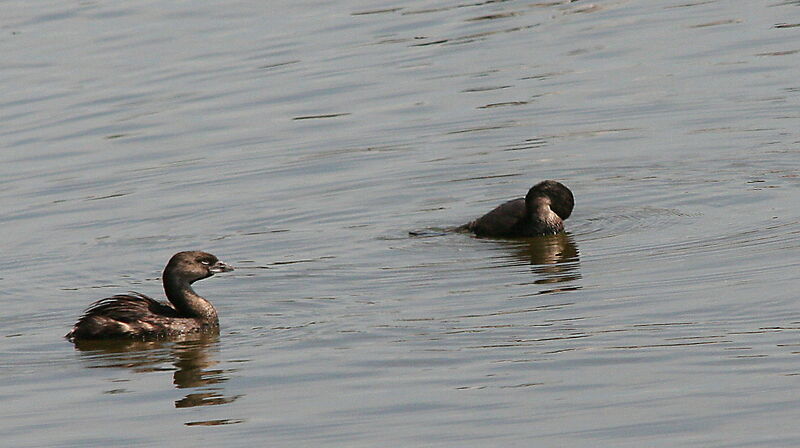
x: 301, y: 141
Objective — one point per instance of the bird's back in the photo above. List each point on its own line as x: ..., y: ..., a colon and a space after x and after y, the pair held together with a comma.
x: 130, y: 315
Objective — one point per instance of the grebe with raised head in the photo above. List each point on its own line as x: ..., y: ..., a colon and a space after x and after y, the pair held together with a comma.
x: 138, y: 316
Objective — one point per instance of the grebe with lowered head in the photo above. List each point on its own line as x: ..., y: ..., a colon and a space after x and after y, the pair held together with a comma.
x: 541, y: 212
x: 138, y: 316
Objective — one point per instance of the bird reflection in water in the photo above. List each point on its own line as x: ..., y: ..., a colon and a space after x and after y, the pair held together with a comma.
x: 191, y: 358
x: 553, y: 257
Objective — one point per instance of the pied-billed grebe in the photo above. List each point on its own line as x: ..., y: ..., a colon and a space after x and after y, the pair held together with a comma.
x: 138, y: 316
x: 541, y: 212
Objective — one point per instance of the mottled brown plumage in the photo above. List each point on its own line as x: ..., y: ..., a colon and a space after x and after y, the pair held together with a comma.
x: 138, y: 316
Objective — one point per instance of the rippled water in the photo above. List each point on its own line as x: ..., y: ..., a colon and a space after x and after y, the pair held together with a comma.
x: 323, y: 147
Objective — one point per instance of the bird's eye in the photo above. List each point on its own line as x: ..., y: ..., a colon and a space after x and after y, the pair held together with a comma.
x: 205, y: 262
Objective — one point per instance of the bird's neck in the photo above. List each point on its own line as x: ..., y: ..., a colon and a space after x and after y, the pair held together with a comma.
x: 187, y: 302
x: 542, y: 216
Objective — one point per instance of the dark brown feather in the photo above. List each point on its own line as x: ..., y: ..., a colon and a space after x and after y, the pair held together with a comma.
x: 137, y: 316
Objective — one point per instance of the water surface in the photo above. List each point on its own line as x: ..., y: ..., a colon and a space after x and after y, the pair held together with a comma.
x: 303, y: 141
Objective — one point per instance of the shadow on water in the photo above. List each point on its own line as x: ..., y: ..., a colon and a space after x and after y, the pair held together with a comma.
x: 553, y: 257
x: 192, y: 360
